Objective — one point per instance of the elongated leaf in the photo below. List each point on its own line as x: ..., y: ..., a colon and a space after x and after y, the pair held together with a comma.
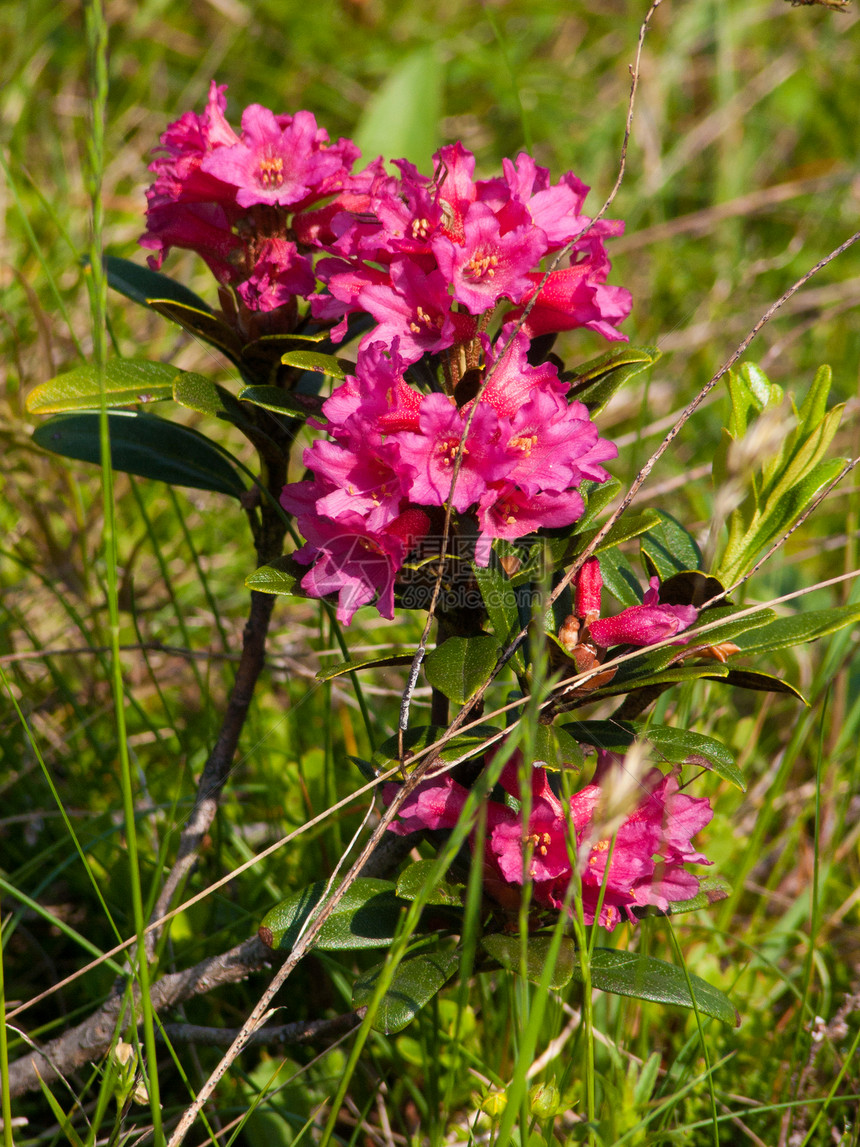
x: 785, y: 632
x: 461, y: 665
x: 554, y: 746
x: 402, y: 117
x: 413, y: 883
x: 366, y: 917
x: 595, y: 382
x: 628, y: 526
x: 711, y: 890
x: 619, y: 578
x: 319, y: 363
x: 670, y: 549
x: 127, y: 381
x: 146, y: 446
x: 202, y: 324
x: 663, y: 677
x: 284, y: 401
x: 422, y: 736
x: 142, y: 285
x: 612, y: 736
x: 416, y: 981
x: 761, y: 682
x: 506, y: 950
x: 500, y: 602
x: 597, y: 496
x: 343, y: 667
x: 646, y: 978
x: 282, y: 575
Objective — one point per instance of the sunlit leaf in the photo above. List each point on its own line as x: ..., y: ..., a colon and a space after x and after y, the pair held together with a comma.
x: 460, y: 666
x: 142, y: 285
x: 413, y: 884
x: 416, y: 980
x: 366, y: 916
x: 343, y: 667
x: 127, y: 381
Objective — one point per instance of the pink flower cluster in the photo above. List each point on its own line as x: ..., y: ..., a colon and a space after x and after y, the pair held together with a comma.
x: 648, y: 849
x: 392, y: 458
x: 231, y: 197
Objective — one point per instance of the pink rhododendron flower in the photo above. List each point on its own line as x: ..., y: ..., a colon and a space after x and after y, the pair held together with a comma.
x: 649, y: 849
x: 642, y: 624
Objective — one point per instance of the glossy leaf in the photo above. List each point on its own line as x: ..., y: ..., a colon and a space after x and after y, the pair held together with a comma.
x: 760, y: 682
x: 597, y: 496
x: 670, y: 676
x: 557, y: 749
x: 712, y: 889
x: 318, y: 363
x: 282, y: 575
x: 343, y: 667
x: 646, y: 978
x: 500, y: 602
x: 619, y: 578
x: 461, y: 665
x: 785, y: 632
x: 412, y: 884
x: 367, y: 916
x: 422, y: 736
x: 595, y: 382
x: 507, y: 951
x: 146, y: 446
x: 284, y: 401
x: 203, y: 324
x: 127, y: 381
x: 143, y: 285
x: 669, y: 549
x: 416, y: 980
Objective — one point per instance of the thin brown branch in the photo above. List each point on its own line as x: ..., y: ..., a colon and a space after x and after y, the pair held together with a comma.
x: 91, y: 1039
x: 313, y: 1031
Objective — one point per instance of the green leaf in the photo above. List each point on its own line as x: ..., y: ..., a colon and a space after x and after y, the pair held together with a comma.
x: 283, y: 401
x: 646, y: 978
x: 627, y: 527
x: 413, y: 881
x: 670, y: 549
x: 318, y: 363
x: 613, y: 736
x: 597, y: 496
x: 146, y: 446
x: 460, y: 666
x: 662, y: 677
x: 681, y: 746
x: 142, y: 285
x: 203, y: 324
x: 554, y: 746
x: 619, y: 578
x: 785, y: 632
x: 422, y: 736
x: 760, y: 682
x: 711, y: 890
x: 595, y: 382
x: 402, y: 117
x: 343, y: 667
x: 415, y: 982
x: 282, y: 575
x: 507, y: 951
x: 127, y: 381
x: 500, y: 602
x: 814, y: 407
x: 367, y: 916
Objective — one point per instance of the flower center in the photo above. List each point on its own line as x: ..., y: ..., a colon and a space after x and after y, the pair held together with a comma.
x: 270, y: 172
x: 447, y: 451
x: 424, y: 321
x: 481, y: 267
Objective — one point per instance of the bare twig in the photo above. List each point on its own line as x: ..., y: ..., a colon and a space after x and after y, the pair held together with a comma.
x: 312, y: 1032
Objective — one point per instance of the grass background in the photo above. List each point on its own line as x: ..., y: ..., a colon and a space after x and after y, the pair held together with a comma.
x: 743, y: 172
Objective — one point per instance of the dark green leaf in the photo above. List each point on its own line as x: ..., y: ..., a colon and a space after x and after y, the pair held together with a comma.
x: 597, y: 496
x: 670, y: 549
x: 283, y: 401
x: 612, y: 736
x: 460, y: 666
x: 663, y: 677
x: 367, y: 916
x: 555, y: 748
x: 127, y: 381
x: 343, y: 667
x: 619, y: 578
x: 142, y: 285
x: 507, y: 951
x: 680, y: 746
x: 500, y: 603
x: 595, y: 382
x: 415, y: 982
x: 690, y: 587
x: 202, y: 324
x: 646, y: 978
x: 146, y: 446
x: 412, y: 884
x: 422, y: 736
x: 752, y: 679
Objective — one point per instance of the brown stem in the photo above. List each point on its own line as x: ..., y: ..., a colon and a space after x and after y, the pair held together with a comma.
x: 91, y: 1039
x: 309, y: 1032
